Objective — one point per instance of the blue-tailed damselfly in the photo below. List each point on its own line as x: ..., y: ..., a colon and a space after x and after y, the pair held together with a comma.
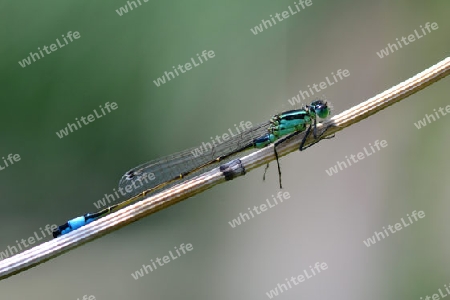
x: 164, y: 172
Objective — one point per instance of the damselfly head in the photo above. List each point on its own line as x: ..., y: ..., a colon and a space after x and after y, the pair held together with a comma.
x: 321, y: 108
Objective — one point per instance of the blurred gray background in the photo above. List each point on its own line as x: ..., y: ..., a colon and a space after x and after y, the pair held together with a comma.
x: 250, y: 78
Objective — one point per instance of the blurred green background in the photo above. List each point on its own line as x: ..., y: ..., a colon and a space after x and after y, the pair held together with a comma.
x: 250, y: 78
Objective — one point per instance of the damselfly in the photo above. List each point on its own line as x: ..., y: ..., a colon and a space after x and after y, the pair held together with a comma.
x: 159, y: 174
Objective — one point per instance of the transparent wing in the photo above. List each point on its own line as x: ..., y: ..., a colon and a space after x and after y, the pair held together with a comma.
x: 183, y: 165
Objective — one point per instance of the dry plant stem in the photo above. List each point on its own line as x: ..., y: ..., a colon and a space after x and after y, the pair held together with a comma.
x: 150, y: 205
